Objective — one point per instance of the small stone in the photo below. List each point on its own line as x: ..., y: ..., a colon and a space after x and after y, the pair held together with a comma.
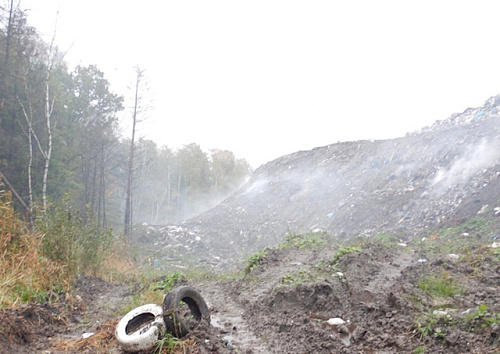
x: 452, y: 257
x: 335, y: 321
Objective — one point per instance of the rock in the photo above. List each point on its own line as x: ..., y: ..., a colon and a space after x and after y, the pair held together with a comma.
x: 335, y: 321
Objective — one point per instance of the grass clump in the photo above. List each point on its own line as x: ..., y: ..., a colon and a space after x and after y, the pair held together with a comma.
x: 295, y: 279
x: 439, y: 286
x: 419, y: 350
x: 475, y: 226
x: 385, y: 238
x: 337, y: 256
x: 169, y: 344
x: 480, y: 319
x: 255, y: 260
x: 304, y: 241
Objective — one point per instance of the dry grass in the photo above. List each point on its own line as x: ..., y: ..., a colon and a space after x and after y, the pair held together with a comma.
x: 25, y: 275
x: 100, y: 342
x: 104, y: 340
x: 118, y: 265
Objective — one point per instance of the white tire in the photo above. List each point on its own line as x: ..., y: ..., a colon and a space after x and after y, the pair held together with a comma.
x: 140, y: 328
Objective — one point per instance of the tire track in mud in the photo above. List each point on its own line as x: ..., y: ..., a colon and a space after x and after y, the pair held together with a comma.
x: 227, y: 316
x: 390, y: 273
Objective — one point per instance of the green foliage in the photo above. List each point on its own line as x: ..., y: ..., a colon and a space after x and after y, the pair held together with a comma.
x: 167, y: 344
x: 385, y: 238
x: 255, y: 260
x: 298, y: 278
x: 335, y: 259
x: 304, y: 241
x: 480, y: 319
x: 67, y: 240
x: 475, y: 226
x: 419, y: 350
x: 32, y: 295
x: 168, y: 282
x: 430, y: 324
x: 439, y: 286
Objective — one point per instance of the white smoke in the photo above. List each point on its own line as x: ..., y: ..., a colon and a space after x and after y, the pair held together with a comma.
x: 474, y: 160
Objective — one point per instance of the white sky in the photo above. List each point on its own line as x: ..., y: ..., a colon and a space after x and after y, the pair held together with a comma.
x: 265, y: 78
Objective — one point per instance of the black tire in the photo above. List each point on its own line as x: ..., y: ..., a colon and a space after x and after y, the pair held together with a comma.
x: 175, y: 316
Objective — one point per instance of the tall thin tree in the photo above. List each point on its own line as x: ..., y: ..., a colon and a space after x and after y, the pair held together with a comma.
x: 138, y: 108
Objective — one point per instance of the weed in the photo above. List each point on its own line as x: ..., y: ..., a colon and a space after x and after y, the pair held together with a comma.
x: 39, y: 296
x: 432, y: 325
x: 335, y: 259
x: 167, y: 282
x: 419, y: 350
x: 304, y: 241
x: 169, y: 344
x: 298, y: 278
x: 255, y: 260
x: 385, y: 238
x: 480, y: 319
x: 475, y: 226
x: 442, y: 286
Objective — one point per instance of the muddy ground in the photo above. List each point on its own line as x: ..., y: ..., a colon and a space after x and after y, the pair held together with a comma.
x: 284, y: 303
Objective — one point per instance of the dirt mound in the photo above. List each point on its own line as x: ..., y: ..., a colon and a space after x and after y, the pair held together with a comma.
x: 30, y: 327
x: 369, y: 302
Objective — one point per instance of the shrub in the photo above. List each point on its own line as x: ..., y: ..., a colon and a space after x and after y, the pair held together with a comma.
x: 255, y: 260
x: 82, y: 248
x: 26, y: 275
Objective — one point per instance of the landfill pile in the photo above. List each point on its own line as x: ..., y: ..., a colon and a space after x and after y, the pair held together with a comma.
x: 434, y: 178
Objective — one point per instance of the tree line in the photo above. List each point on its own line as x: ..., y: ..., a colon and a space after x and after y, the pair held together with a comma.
x: 60, y: 139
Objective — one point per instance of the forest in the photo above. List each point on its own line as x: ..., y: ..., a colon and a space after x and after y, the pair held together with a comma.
x: 62, y: 143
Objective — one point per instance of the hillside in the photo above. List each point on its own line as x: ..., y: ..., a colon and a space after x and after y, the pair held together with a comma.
x: 410, y: 186
x: 357, y: 247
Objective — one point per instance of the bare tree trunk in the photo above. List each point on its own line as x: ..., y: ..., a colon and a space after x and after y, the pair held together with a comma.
x: 49, y: 107
x: 48, y: 113
x: 102, y: 190
x: 28, y: 115
x: 128, y: 200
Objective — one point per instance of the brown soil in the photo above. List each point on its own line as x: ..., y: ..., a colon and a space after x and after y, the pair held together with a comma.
x: 283, y: 306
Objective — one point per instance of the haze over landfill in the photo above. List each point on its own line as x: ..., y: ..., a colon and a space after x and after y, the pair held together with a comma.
x: 264, y: 79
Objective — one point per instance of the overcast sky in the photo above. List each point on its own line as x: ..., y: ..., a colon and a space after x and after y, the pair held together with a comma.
x: 265, y: 78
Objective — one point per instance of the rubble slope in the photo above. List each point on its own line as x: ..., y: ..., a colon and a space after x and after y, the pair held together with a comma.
x: 436, y: 177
